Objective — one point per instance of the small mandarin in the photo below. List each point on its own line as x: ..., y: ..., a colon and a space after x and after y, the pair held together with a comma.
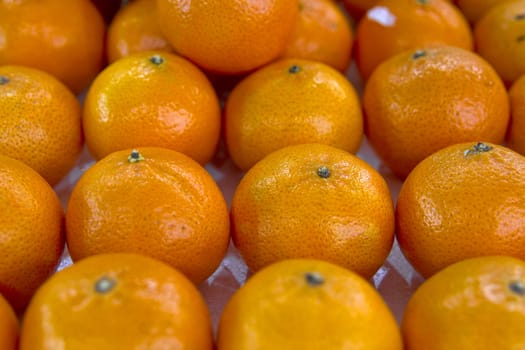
x: 289, y: 102
x: 516, y: 132
x: 322, y: 33
x: 40, y: 121
x: 463, y: 201
x: 150, y: 201
x: 135, y: 29
x: 307, y: 304
x: 63, y: 38
x: 229, y: 36
x: 117, y: 301
x: 421, y: 100
x: 31, y: 231
x: 474, y: 304
x: 313, y: 201
x: 500, y: 38
x: 394, y: 26
x: 153, y: 99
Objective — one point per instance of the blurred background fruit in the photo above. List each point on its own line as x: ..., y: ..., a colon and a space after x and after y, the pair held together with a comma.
x: 473, y: 10
x: 393, y: 26
x: 40, y: 121
x: 307, y: 304
x: 31, y: 231
x: 135, y: 29
x: 152, y: 99
x: 63, y: 38
x: 117, y: 301
x: 476, y: 304
x: 228, y: 37
x: 500, y: 38
x: 425, y: 99
x: 289, y: 102
x: 322, y: 33
x: 463, y: 201
x: 155, y: 202
x: 313, y: 201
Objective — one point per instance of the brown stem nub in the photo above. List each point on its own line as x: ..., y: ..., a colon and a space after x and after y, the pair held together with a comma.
x: 104, y: 285
x: 323, y: 172
x: 135, y: 157
x: 479, y: 147
x: 156, y: 59
x: 294, y: 69
x: 3, y: 80
x: 517, y: 287
x: 419, y: 54
x: 314, y: 278
x: 520, y: 17
x: 520, y: 38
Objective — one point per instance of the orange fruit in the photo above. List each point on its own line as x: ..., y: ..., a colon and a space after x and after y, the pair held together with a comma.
x: 307, y: 304
x: 63, y: 38
x: 516, y: 131
x: 152, y: 99
x: 135, y: 29
x: 31, y: 231
x: 322, y: 33
x: 9, y: 327
x: 313, y: 201
x: 40, y: 121
x: 117, y: 301
x: 289, y: 102
x: 230, y: 36
x: 463, y: 201
x: 357, y: 8
x: 500, y: 38
x: 475, y: 9
x: 155, y: 202
x: 394, y: 26
x: 476, y: 304
x: 426, y: 99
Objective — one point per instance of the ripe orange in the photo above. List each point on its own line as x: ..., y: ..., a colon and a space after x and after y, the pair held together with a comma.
x: 307, y: 304
x: 516, y: 132
x: 9, y: 327
x: 117, y: 301
x: 289, y: 102
x: 463, y: 201
x: 63, y: 38
x: 477, y: 303
x: 475, y: 9
x: 40, y: 121
x: 155, y: 202
x: 152, y: 99
x: 31, y: 231
x: 393, y: 26
x: 135, y: 29
x: 313, y: 201
x: 426, y: 99
x: 231, y: 36
x: 322, y: 33
x: 500, y: 38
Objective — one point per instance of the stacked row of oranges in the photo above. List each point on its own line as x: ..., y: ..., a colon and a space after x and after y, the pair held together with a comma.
x: 265, y: 82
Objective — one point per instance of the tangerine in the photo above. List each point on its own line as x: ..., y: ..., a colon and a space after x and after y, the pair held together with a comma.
x: 463, y: 201
x: 151, y: 201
